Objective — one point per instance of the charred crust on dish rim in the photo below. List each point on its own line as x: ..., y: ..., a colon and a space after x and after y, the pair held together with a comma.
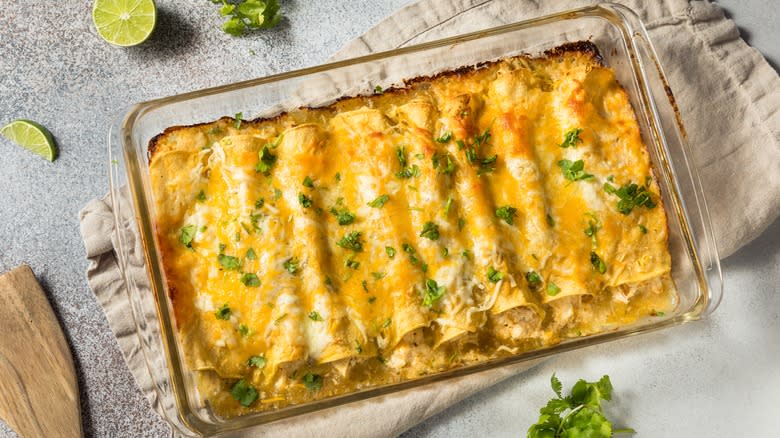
x: 587, y: 48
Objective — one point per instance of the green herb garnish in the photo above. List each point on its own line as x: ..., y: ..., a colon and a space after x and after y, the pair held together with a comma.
x: 291, y: 265
x: 430, y: 230
x: 631, y: 195
x: 493, y: 275
x: 351, y: 241
x: 533, y: 279
x: 312, y: 382
x: 552, y: 289
x: 256, y: 361
x: 351, y: 263
x: 243, y: 330
x: 343, y: 216
x: 308, y: 182
x: 315, y: 316
x: 250, y: 280
x: 597, y: 263
x: 378, y: 275
x: 304, y: 200
x: 244, y: 393
x: 187, y: 234
x: 444, y: 137
x: 228, y: 262
x: 409, y: 172
x: 571, y: 138
x: 507, y: 214
x: 244, y: 15
x: 250, y: 254
x: 584, y: 418
x: 201, y: 196
x: 223, y: 312
x: 237, y: 123
x: 643, y: 229
x: 433, y: 292
x: 574, y: 170
x: 390, y: 251
x: 379, y: 202
x: 267, y: 160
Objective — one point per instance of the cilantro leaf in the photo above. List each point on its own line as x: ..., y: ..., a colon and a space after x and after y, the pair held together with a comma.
x: 571, y: 138
x: 343, y: 216
x: 631, y: 195
x: 433, y: 292
x: 256, y: 361
x: 379, y: 202
x: 315, y: 316
x: 228, y: 262
x: 533, y: 279
x: 267, y: 160
x: 577, y: 415
x: 444, y: 137
x: 249, y: 14
x: 291, y: 265
x: 250, y: 280
x: 223, y: 312
x: 244, y: 393
x: 494, y: 276
x: 390, y: 251
x: 304, y: 200
x: 308, y: 182
x: 597, y: 262
x: 312, y: 382
x: 430, y: 230
x: 507, y: 213
x: 187, y: 235
x: 574, y: 170
x: 351, y: 241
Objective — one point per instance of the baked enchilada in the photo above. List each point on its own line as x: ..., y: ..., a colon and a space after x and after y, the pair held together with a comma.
x: 479, y: 213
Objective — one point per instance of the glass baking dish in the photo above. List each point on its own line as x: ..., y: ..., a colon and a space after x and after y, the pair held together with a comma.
x: 624, y: 46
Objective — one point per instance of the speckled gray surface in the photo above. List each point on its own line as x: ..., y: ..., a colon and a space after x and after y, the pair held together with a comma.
x: 709, y: 378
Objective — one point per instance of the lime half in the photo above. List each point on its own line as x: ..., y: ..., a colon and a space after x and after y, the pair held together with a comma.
x: 124, y: 22
x: 32, y: 137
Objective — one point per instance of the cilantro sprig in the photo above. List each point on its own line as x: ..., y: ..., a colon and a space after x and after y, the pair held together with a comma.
x: 631, y: 195
x: 248, y: 14
x: 577, y: 415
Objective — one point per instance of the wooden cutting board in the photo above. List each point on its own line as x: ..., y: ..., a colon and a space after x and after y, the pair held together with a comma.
x: 39, y: 394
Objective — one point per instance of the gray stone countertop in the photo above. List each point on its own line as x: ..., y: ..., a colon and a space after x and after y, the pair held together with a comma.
x: 717, y: 377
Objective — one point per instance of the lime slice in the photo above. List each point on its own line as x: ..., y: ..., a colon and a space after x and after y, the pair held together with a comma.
x: 124, y: 22
x: 32, y: 137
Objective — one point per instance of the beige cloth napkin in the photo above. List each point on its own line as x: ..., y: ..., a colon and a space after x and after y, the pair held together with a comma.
x: 730, y: 101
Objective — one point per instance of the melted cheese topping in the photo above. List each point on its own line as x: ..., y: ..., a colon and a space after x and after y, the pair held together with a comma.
x: 387, y: 237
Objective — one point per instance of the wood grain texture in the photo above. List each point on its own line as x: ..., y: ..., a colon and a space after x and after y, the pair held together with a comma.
x: 38, y: 388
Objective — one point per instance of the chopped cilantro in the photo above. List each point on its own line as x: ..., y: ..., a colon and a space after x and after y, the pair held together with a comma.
x: 201, y: 196
x: 378, y: 275
x: 379, y: 202
x: 552, y: 289
x: 430, y: 230
x: 304, y: 200
x: 461, y: 224
x: 507, y: 214
x: 250, y: 254
x: 400, y: 152
x: 445, y: 164
x: 256, y: 361
x: 390, y: 251
x: 237, y: 123
x: 291, y: 265
x: 657, y: 313
x: 351, y: 263
x: 371, y: 299
x: 466, y: 254
x: 351, y: 241
x: 460, y: 144
x: 364, y: 283
x: 433, y: 292
x: 643, y: 229
x: 243, y: 330
x: 228, y: 262
x: 343, y: 216
x: 445, y: 252
x: 312, y: 382
x: 444, y: 137
x: 409, y: 172
x: 631, y: 195
x: 493, y: 275
x: 378, y: 89
x: 187, y: 234
x: 315, y: 316
x: 244, y: 393
x: 387, y: 323
x: 259, y: 203
x: 550, y: 220
x: 223, y: 312
x: 571, y: 138
x: 597, y: 263
x: 448, y: 205
x: 267, y: 160
x: 338, y: 176
x: 574, y: 170
x: 250, y: 280
x: 308, y: 182
x: 533, y: 279
x: 277, y: 194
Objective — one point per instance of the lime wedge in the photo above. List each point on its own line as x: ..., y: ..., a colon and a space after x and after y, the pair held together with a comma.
x: 124, y: 22
x: 32, y: 137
